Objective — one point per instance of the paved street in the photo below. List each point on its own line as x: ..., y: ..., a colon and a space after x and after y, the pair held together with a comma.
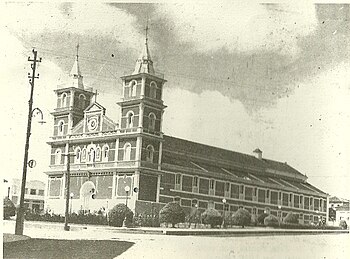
x: 161, y: 246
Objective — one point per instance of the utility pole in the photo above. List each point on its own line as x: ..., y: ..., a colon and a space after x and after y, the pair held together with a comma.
x: 67, y: 191
x: 20, y: 212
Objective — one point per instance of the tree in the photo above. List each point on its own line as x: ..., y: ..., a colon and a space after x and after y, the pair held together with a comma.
x: 291, y: 218
x: 271, y: 220
x: 117, y: 215
x: 261, y: 218
x: 241, y: 218
x: 9, y: 208
x: 212, y: 217
x: 172, y: 213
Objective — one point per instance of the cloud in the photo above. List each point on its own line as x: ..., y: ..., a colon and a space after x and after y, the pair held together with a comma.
x: 241, y: 26
x: 88, y: 19
x: 308, y: 129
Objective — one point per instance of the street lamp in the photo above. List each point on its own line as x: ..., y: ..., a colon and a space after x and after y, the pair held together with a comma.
x: 223, y: 218
x: 31, y: 114
x: 280, y: 215
x: 127, y: 190
x: 71, y: 201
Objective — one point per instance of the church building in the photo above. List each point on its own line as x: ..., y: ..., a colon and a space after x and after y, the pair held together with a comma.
x: 133, y: 162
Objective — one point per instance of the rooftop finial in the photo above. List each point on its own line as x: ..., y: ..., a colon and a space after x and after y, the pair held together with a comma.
x: 146, y: 29
x: 77, y: 48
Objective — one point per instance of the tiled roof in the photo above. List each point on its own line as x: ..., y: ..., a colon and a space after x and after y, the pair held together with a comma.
x: 209, y: 161
x: 190, y: 148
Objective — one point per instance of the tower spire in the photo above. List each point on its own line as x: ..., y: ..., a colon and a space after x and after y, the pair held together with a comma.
x: 75, y: 72
x: 144, y: 63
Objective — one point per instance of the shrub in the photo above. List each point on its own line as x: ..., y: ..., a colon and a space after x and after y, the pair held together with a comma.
x: 261, y: 218
x: 343, y: 224
x: 271, y: 220
x: 9, y: 208
x: 172, y: 213
x: 212, y: 217
x: 241, y: 218
x: 291, y: 218
x: 118, y: 214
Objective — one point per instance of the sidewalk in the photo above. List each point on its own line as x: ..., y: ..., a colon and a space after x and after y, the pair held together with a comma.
x: 247, y: 231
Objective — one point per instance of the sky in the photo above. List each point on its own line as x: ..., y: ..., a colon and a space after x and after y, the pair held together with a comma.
x: 240, y: 76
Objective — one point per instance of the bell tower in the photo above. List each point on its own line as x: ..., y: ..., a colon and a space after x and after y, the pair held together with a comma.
x: 72, y: 100
x: 142, y: 109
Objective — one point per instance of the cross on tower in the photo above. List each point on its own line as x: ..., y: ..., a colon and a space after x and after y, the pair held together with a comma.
x: 77, y: 49
x: 146, y: 29
x: 96, y: 93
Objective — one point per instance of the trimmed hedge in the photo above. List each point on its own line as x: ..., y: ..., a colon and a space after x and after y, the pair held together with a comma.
x: 291, y: 218
x: 241, y: 218
x: 172, y: 213
x: 212, y: 217
x: 270, y: 220
x: 301, y: 226
x: 118, y: 214
x: 261, y: 218
x: 9, y: 208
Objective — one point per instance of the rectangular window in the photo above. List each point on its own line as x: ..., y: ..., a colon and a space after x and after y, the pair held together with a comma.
x: 211, y: 184
x: 32, y: 191
x: 241, y: 189
x: 203, y: 204
x: 227, y: 187
x: 234, y: 191
x: 261, y: 195
x: 285, y: 199
x: 195, y: 181
x: 203, y: 186
x: 306, y: 203
x: 187, y: 183
x: 178, y: 179
x: 248, y: 193
x: 296, y: 201
x: 219, y: 188
x: 274, y: 197
x: 41, y: 192
x: 178, y: 182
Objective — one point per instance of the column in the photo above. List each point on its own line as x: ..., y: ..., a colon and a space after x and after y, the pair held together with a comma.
x: 143, y: 84
x: 114, y: 185
x: 141, y: 111
x: 160, y: 155
x: 138, y: 149
x: 116, y: 153
x: 158, y: 188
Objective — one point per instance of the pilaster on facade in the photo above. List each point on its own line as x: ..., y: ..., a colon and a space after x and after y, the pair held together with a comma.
x: 158, y: 187
x: 143, y: 86
x: 141, y: 112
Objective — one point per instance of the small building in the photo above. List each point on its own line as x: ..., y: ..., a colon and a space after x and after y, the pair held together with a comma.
x: 340, y: 207
x: 34, y: 195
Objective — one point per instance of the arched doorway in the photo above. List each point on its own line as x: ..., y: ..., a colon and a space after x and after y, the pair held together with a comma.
x: 86, y: 192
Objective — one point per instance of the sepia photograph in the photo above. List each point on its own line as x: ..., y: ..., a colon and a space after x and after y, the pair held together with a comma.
x: 181, y: 129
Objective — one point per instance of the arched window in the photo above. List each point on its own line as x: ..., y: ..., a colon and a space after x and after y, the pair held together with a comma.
x: 98, y: 153
x: 153, y: 90
x: 130, y: 119
x: 152, y: 121
x: 58, y: 157
x: 91, y: 155
x: 60, y: 128
x: 82, y: 100
x: 77, y: 155
x: 105, y: 152
x: 83, y: 155
x: 133, y: 88
x: 64, y: 100
x: 127, y: 152
x: 149, y: 153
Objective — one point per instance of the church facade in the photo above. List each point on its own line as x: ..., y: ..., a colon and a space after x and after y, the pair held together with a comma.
x: 133, y: 162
